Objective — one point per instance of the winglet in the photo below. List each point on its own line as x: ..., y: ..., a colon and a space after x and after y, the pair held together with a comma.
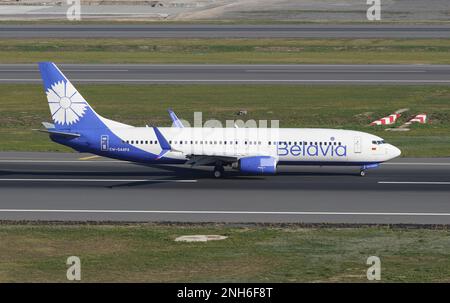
x: 176, y: 121
x: 165, y: 146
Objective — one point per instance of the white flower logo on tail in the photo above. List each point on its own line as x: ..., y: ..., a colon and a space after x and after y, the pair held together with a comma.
x: 66, y: 104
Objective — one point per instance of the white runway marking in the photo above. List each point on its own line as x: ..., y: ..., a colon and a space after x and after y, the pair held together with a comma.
x: 240, y: 80
x: 412, y: 182
x: 98, y: 180
x: 329, y: 71
x: 67, y: 70
x: 230, y: 212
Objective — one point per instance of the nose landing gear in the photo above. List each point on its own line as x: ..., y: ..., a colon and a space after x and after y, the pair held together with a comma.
x: 362, y: 171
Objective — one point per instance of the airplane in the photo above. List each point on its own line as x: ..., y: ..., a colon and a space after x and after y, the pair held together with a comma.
x: 257, y: 151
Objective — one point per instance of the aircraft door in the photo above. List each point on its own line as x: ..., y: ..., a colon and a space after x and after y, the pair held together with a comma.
x: 104, y: 144
x: 357, y: 145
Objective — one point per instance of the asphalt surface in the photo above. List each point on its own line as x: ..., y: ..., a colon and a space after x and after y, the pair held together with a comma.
x: 225, y: 31
x: 263, y: 74
x: 51, y: 186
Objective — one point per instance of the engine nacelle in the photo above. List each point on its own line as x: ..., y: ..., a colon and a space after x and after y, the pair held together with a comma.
x: 258, y: 165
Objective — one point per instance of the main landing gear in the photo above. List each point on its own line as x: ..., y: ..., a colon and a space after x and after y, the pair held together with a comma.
x: 218, y: 171
x: 362, y: 172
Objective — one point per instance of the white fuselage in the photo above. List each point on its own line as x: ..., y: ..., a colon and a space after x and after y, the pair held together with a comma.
x: 287, y: 145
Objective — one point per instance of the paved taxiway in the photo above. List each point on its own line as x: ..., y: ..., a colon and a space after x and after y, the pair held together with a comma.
x: 53, y: 186
x: 213, y: 73
x: 225, y: 31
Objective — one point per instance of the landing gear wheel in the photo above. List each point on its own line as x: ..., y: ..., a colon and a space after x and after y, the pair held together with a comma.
x: 218, y: 171
x: 362, y: 173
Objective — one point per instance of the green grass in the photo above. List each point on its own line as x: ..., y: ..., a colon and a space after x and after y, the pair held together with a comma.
x: 24, y: 107
x: 277, y: 51
x: 148, y: 253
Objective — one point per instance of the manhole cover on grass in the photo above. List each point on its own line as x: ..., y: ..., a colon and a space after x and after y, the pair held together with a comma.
x: 200, y: 238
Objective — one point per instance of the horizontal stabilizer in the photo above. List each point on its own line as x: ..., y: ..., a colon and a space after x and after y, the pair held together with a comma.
x: 48, y: 125
x: 58, y: 133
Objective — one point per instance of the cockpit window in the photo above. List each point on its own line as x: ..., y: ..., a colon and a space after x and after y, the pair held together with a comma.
x: 378, y: 142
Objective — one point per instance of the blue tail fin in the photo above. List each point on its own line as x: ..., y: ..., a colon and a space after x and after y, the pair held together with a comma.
x: 69, y: 110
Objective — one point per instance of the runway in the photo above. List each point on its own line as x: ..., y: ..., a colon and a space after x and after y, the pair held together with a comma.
x: 77, y: 187
x: 235, y: 74
x: 225, y: 31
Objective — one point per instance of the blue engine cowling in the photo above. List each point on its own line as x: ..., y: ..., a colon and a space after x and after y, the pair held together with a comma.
x: 258, y: 165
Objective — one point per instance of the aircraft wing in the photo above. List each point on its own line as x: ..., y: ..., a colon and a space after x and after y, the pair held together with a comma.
x: 198, y: 160
x: 226, y: 158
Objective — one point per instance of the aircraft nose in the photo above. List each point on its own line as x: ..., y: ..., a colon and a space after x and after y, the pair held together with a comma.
x: 395, y: 151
